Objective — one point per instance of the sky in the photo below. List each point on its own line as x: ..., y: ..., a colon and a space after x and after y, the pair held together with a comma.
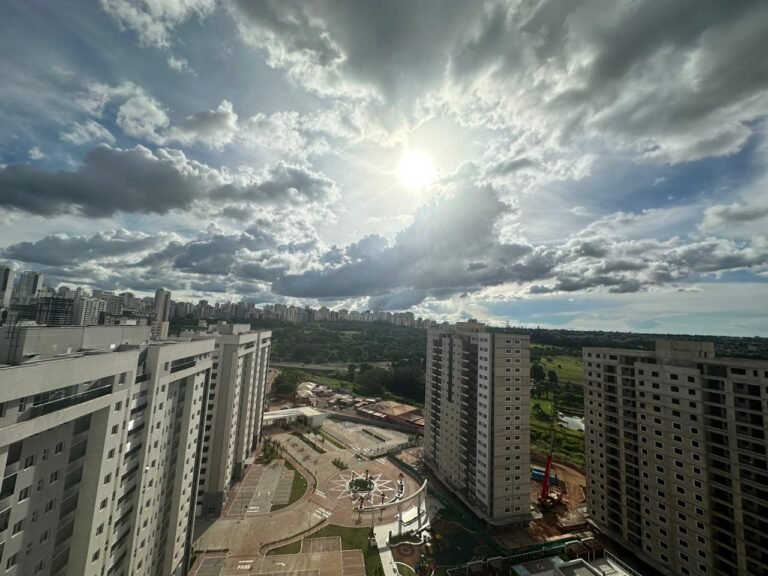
x: 590, y: 164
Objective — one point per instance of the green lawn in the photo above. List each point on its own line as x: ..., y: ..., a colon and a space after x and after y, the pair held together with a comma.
x: 298, y: 487
x: 330, y: 382
x: 354, y: 539
x: 568, y: 444
x: 568, y: 368
x: 405, y: 570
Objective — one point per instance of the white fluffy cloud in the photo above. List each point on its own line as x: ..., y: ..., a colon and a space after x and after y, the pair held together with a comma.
x: 153, y: 21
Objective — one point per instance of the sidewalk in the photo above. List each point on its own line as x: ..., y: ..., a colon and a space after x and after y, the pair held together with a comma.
x: 381, y: 532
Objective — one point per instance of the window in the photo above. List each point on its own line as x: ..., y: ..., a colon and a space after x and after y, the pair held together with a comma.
x: 29, y: 461
x: 12, y: 561
x: 18, y: 527
x: 103, y: 504
x: 24, y: 494
x: 59, y: 448
x: 54, y: 477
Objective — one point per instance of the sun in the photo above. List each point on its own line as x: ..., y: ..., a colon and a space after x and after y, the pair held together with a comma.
x: 416, y: 170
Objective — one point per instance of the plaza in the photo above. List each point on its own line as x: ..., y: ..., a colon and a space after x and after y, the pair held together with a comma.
x: 265, y: 511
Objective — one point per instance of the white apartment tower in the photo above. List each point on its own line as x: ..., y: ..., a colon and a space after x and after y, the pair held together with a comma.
x: 677, y: 456
x: 6, y: 286
x: 162, y: 305
x: 98, y: 439
x: 234, y: 410
x: 477, y: 418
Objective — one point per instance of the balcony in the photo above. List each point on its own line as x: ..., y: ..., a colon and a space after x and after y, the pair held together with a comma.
x: 182, y: 366
x: 67, y: 401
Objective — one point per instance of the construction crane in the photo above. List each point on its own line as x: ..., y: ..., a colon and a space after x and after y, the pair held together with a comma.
x: 545, y: 500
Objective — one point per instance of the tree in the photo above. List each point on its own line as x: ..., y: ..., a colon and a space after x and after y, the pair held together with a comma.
x: 552, y: 377
x: 373, y: 382
x: 537, y: 373
x: 351, y: 372
x: 552, y: 380
x: 286, y: 382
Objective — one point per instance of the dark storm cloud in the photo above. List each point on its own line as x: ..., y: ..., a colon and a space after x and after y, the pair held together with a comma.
x: 61, y: 250
x: 109, y: 181
x: 138, y: 181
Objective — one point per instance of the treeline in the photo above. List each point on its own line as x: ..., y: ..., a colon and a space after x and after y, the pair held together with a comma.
x: 345, y: 342
x: 403, y: 380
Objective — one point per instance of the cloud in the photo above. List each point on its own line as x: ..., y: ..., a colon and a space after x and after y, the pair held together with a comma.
x: 435, y: 252
x: 736, y: 214
x: 215, y: 128
x: 137, y: 180
x: 36, y: 154
x: 64, y: 250
x: 641, y: 75
x: 281, y: 184
x: 179, y: 64
x: 141, y: 116
x: 80, y: 133
x: 153, y: 21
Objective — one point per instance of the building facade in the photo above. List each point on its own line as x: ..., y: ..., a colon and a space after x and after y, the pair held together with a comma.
x: 234, y: 411
x: 162, y: 305
x: 477, y: 418
x: 99, y: 433
x: 677, y: 463
x: 6, y: 286
x: 30, y: 283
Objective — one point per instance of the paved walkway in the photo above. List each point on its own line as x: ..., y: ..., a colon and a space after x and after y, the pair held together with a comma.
x: 248, y: 528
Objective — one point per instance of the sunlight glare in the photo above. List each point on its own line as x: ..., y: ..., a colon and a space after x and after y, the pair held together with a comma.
x: 416, y: 170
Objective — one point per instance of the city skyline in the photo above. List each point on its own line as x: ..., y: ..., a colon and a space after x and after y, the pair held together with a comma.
x: 582, y: 166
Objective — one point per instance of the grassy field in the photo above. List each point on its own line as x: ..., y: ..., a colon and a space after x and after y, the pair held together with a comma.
x: 568, y: 368
x: 298, y: 488
x: 330, y: 382
x: 568, y: 444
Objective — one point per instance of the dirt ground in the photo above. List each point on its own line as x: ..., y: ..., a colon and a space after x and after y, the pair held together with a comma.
x: 564, y: 519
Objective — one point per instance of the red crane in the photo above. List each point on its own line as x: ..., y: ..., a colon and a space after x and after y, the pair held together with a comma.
x: 544, y: 497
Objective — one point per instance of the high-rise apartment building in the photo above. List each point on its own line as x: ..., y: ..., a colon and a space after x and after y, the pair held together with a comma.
x: 86, y: 311
x: 477, y: 418
x: 99, y: 434
x: 233, y: 411
x: 162, y: 305
x: 677, y: 456
x: 6, y: 286
x: 30, y: 283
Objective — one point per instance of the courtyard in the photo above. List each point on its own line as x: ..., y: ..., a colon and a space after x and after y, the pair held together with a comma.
x: 306, y: 503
